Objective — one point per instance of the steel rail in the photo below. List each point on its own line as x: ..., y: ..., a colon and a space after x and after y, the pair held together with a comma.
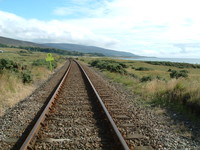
x: 42, y: 117
x: 112, y: 123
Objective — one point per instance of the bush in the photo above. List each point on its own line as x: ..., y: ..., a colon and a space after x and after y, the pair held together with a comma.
x: 159, y: 78
x: 178, y: 74
x: 174, y: 64
x: 40, y: 62
x: 8, y: 64
x: 184, y: 71
x: 123, y: 65
x: 27, y: 77
x: 132, y: 67
x: 146, y: 78
x: 43, y: 62
x: 133, y: 75
x: 182, y: 74
x: 110, y: 65
x: 173, y: 74
x: 169, y: 70
x: 142, y: 69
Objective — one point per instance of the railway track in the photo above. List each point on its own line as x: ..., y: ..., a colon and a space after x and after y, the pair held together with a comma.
x: 74, y: 118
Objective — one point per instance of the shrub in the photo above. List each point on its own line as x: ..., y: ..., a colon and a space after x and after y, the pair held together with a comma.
x: 142, y: 69
x: 133, y: 75
x: 178, y: 74
x: 159, y: 78
x: 94, y: 63
x: 27, y: 77
x: 110, y: 65
x: 184, y: 71
x: 123, y: 65
x: 146, y: 78
x: 8, y: 64
x: 174, y: 64
x: 173, y: 74
x: 132, y: 67
x: 169, y: 70
x: 40, y: 62
x: 43, y: 62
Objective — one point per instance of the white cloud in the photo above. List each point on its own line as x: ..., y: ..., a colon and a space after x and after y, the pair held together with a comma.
x: 144, y: 27
x: 50, y: 31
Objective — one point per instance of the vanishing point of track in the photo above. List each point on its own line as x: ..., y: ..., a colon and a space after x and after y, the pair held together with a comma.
x: 74, y: 118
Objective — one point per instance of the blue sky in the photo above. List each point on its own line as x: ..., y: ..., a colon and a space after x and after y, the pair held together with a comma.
x: 160, y: 28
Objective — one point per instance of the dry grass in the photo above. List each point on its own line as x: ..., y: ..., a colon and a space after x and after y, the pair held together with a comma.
x: 12, y: 90
x: 156, y: 86
x: 40, y: 73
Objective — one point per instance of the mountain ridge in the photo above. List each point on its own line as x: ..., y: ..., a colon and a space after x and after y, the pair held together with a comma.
x: 15, y: 42
x: 68, y: 47
x: 90, y: 49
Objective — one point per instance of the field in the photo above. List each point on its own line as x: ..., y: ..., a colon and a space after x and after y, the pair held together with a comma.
x: 170, y: 85
x: 21, y: 72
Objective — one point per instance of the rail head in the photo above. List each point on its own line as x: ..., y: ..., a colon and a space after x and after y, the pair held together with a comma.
x: 114, y: 126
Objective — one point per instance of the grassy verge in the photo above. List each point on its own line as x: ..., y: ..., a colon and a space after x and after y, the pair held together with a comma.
x: 21, y: 72
x: 160, y: 84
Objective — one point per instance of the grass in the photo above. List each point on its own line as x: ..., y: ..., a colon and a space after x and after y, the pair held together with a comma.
x: 155, y: 86
x: 12, y: 88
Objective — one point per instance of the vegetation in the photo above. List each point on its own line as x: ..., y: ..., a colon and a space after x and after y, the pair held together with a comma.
x: 9, y: 65
x: 3, y: 45
x: 142, y: 69
x: 110, y: 65
x: 21, y: 71
x: 178, y: 65
x: 43, y: 62
x: 27, y: 77
x: 173, y: 87
x: 146, y: 78
x: 179, y: 74
x: 51, y: 50
x: 30, y: 49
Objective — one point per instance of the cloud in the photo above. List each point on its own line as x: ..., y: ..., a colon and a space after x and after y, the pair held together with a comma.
x: 49, y: 31
x: 80, y: 9
x: 188, y: 47
x: 143, y: 27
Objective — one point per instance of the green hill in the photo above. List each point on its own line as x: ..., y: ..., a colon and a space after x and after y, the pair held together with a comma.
x: 90, y: 49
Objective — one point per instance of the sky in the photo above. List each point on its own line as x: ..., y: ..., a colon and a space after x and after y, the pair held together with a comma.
x: 157, y: 28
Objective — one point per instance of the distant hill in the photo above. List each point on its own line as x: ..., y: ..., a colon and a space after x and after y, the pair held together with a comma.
x: 13, y: 42
x: 68, y: 47
x: 90, y: 49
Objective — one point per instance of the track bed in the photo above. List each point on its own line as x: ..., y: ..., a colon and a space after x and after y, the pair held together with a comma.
x: 74, y: 122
